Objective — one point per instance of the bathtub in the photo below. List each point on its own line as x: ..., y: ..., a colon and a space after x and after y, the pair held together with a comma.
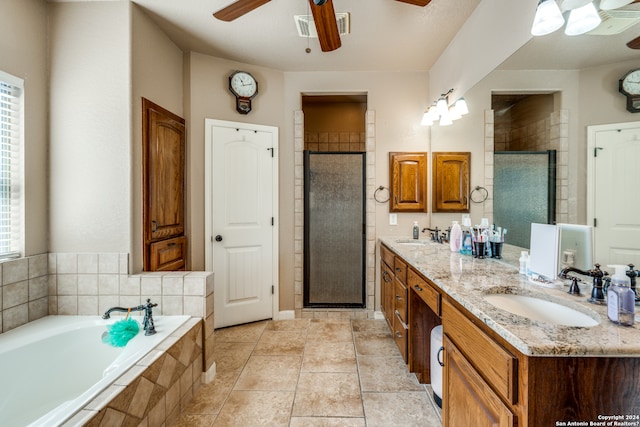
x: 52, y: 367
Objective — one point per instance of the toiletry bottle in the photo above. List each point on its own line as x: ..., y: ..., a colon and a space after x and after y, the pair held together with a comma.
x: 465, y: 249
x: 620, y: 297
x: 416, y: 230
x: 523, y: 262
x: 455, y: 238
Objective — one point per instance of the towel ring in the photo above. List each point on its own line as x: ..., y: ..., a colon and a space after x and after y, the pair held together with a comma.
x: 481, y: 196
x: 375, y: 194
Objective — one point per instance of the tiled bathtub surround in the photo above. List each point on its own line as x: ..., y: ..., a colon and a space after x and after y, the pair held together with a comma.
x: 155, y: 391
x: 24, y: 295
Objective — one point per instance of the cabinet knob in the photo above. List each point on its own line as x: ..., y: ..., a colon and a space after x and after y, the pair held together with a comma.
x: 218, y: 238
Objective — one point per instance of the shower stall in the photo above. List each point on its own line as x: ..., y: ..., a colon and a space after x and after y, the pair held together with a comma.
x: 334, y: 229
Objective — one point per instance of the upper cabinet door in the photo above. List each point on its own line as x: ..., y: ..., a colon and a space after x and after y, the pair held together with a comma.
x: 408, y: 176
x: 451, y: 182
x: 164, y: 172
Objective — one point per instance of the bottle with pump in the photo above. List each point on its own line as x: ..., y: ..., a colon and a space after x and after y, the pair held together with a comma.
x: 620, y: 297
x: 455, y: 237
x: 524, y: 257
x: 466, y: 247
x: 416, y: 230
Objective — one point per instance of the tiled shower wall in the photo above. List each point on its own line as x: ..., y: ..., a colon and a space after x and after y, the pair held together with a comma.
x: 91, y: 283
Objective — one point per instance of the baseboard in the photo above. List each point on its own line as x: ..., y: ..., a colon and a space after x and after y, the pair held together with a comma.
x: 286, y: 315
x: 210, y: 375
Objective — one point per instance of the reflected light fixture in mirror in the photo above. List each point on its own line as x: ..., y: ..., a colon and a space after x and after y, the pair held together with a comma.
x: 548, y: 18
x: 582, y: 20
x: 613, y: 4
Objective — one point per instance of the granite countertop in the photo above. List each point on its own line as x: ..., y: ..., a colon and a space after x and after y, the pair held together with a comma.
x: 466, y: 280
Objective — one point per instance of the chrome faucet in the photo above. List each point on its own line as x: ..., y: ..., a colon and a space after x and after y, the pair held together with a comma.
x: 147, y: 322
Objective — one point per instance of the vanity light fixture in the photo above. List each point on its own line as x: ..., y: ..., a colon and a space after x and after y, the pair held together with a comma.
x: 444, y: 114
x: 583, y: 16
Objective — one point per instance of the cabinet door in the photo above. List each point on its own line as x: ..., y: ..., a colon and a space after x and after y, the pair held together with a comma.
x: 386, y: 292
x: 168, y: 254
x: 451, y: 182
x: 467, y: 399
x: 408, y: 176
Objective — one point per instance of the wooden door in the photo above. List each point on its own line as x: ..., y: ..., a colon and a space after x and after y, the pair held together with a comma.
x: 163, y: 139
x: 243, y: 202
x: 408, y: 176
x: 467, y: 398
x: 451, y: 182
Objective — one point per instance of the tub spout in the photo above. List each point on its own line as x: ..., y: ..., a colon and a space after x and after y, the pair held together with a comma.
x: 147, y: 322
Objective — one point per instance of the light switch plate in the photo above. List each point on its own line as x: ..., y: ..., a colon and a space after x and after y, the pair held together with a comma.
x: 393, y: 219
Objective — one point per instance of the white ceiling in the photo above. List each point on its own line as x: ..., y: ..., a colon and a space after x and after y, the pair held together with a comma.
x: 386, y: 35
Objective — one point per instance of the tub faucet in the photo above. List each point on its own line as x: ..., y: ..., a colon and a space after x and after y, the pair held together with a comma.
x: 147, y: 322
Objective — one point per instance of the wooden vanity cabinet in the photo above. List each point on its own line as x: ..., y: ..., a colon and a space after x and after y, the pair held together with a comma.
x: 408, y: 182
x: 394, y: 297
x: 451, y: 182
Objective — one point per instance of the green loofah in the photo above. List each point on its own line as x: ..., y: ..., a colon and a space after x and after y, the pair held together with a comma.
x: 119, y: 334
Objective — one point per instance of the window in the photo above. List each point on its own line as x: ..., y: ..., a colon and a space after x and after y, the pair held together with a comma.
x: 11, y: 137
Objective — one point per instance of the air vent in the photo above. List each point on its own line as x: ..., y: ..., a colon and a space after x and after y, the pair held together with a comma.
x: 307, y: 28
x: 615, y: 21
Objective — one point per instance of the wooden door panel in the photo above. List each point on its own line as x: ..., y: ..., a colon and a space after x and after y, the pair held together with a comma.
x: 169, y: 254
x: 408, y: 176
x: 451, y: 182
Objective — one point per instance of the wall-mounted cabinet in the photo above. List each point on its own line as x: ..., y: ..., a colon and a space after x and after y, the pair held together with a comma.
x: 408, y: 176
x: 451, y: 182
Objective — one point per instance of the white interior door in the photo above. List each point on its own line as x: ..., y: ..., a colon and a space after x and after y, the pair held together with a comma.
x: 613, y: 194
x: 242, y: 204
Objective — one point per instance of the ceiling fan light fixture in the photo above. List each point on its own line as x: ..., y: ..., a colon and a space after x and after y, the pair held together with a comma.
x: 582, y: 20
x: 548, y: 18
x: 613, y: 4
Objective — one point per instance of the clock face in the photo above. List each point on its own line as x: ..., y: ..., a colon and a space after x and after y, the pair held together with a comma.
x: 243, y: 84
x: 630, y: 84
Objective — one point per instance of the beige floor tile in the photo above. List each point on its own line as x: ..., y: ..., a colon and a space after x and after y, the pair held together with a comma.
x: 243, y: 333
x: 211, y: 397
x: 327, y: 356
x: 288, y: 325
x: 375, y: 344
x: 328, y: 395
x: 270, y: 373
x: 281, y: 343
x: 330, y: 330
x: 399, y: 409
x: 194, y: 420
x: 386, y: 374
x: 231, y: 356
x: 256, y: 408
x: 378, y: 326
x: 326, y: 422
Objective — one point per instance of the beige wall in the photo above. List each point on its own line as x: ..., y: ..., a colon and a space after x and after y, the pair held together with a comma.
x: 90, y: 127
x: 23, y: 53
x: 157, y: 75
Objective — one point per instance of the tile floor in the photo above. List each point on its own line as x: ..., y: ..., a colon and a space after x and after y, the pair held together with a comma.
x: 310, y: 372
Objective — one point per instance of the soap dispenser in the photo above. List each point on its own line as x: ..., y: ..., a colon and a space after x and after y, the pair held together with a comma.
x: 416, y: 230
x: 620, y: 297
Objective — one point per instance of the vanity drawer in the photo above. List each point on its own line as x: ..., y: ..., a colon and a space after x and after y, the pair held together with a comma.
x: 496, y: 365
x: 387, y: 256
x: 400, y: 300
x: 400, y: 268
x: 429, y: 295
x: 400, y: 332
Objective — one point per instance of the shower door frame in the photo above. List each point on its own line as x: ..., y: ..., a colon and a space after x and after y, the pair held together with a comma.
x: 307, y: 210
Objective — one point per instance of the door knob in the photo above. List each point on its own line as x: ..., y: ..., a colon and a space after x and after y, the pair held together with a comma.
x: 218, y: 238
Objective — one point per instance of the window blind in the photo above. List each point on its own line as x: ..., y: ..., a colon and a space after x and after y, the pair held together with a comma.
x: 11, y: 91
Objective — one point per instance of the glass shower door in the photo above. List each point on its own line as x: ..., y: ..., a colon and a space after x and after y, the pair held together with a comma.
x: 334, y: 230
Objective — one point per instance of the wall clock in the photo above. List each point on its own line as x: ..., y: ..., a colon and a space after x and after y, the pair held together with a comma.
x: 629, y: 86
x: 244, y: 87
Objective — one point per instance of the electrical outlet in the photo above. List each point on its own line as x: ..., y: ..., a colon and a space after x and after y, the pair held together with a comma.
x: 393, y: 219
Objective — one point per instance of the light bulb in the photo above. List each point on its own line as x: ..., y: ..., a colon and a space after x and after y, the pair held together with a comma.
x: 548, y: 18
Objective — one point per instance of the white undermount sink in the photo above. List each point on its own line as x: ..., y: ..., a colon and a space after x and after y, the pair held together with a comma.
x: 413, y: 242
x: 540, y: 309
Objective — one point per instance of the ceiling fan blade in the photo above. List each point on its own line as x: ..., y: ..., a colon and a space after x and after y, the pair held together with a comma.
x: 326, y: 26
x: 635, y: 43
x: 417, y: 2
x: 238, y: 8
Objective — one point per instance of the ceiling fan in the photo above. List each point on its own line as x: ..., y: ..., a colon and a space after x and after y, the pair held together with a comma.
x: 324, y: 17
